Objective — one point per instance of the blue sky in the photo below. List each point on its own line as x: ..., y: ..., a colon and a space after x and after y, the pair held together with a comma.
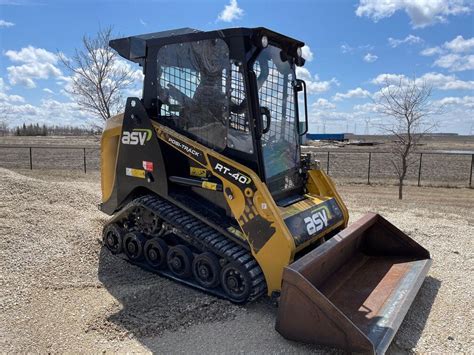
x: 353, y: 46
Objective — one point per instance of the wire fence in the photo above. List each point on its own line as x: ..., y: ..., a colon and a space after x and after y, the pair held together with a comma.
x: 453, y: 169
x: 85, y: 158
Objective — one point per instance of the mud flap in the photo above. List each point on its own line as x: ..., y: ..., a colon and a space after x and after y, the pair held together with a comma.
x: 353, y: 291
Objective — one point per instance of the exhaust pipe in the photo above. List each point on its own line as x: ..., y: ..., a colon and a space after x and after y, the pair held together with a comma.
x: 353, y: 291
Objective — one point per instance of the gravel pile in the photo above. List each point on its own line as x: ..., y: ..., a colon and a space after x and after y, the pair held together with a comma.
x: 61, y: 292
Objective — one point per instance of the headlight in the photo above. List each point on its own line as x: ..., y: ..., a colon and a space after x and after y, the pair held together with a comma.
x: 264, y: 41
x: 299, y: 52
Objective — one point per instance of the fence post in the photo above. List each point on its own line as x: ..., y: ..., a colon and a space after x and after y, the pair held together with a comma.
x: 470, y: 176
x: 85, y: 168
x: 419, y: 169
x: 31, y: 159
x: 327, y: 166
x: 368, y: 169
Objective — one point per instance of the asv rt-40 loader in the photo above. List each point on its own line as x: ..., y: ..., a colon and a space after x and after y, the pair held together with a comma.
x: 206, y: 183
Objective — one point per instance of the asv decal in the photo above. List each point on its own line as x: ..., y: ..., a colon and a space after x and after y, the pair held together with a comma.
x: 317, y: 222
x: 138, y: 136
x: 241, y: 178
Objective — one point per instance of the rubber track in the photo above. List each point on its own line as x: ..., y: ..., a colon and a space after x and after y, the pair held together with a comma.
x: 204, y: 238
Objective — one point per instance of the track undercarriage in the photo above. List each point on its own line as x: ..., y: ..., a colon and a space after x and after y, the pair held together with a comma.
x: 160, y: 237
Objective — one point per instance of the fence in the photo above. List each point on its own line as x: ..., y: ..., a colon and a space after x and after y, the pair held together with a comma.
x: 428, y: 168
x: 49, y: 156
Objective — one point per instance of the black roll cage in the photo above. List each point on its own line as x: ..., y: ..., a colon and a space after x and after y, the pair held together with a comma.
x: 244, y: 47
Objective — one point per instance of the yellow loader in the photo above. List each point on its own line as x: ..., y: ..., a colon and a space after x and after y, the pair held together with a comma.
x: 206, y: 184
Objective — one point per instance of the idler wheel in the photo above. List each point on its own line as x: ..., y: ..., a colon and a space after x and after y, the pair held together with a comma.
x: 112, y: 237
x: 179, y: 259
x: 155, y: 252
x: 236, y: 282
x: 206, y: 270
x: 133, y: 243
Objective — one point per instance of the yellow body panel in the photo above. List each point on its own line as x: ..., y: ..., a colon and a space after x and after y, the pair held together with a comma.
x: 320, y: 184
x: 109, y: 146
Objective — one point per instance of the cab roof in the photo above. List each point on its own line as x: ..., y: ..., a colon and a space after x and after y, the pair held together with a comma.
x: 134, y: 48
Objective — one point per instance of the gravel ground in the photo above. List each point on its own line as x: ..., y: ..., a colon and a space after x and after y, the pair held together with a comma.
x: 61, y: 292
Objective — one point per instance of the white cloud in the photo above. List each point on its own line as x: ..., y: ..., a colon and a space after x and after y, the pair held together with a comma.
x: 345, y: 48
x: 322, y: 104
x: 6, y: 98
x: 31, y: 54
x: 48, y: 112
x: 366, y: 108
x: 143, y: 23
x: 354, y: 93
x: 4, y: 23
x: 437, y: 80
x: 427, y: 52
x: 313, y: 83
x: 459, y: 44
x: 466, y: 101
x: 455, y: 62
x: 370, y: 58
x: 422, y: 13
x: 453, y: 55
x: 231, y: 12
x: 307, y: 54
x: 38, y: 63
x: 48, y: 91
x: 410, y: 39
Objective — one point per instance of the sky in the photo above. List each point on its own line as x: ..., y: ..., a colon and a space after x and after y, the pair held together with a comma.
x: 352, y: 48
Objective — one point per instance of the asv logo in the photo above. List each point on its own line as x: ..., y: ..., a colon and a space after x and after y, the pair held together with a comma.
x: 317, y: 222
x: 137, y: 137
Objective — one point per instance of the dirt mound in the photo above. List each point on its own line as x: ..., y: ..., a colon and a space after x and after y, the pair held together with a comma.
x: 56, y: 277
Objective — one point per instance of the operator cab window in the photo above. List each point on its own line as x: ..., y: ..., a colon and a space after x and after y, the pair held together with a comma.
x: 202, y: 93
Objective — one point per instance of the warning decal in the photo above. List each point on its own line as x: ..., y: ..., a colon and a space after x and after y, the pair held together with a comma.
x: 139, y: 173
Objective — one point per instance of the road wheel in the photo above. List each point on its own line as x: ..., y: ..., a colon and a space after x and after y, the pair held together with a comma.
x: 133, y: 243
x: 236, y: 282
x: 206, y: 270
x: 179, y: 260
x: 112, y: 237
x: 155, y: 253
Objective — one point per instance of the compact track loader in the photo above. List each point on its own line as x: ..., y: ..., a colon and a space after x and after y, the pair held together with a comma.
x: 206, y: 184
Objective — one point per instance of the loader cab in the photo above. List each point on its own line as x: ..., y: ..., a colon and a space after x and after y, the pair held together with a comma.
x: 233, y: 90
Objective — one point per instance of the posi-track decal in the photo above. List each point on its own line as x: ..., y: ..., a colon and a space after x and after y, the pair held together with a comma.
x: 187, y: 149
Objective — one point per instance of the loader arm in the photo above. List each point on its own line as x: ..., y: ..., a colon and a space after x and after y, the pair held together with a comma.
x: 252, y: 205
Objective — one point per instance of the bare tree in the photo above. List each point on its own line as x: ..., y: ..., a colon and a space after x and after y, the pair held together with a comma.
x: 4, y: 113
x: 97, y: 76
x: 407, y: 106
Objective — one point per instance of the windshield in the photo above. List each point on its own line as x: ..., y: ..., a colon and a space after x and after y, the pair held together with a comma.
x: 275, y: 78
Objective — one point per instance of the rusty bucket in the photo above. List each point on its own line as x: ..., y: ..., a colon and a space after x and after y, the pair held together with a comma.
x: 353, y: 291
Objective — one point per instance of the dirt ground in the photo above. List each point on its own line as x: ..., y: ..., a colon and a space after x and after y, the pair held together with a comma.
x: 61, y: 292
